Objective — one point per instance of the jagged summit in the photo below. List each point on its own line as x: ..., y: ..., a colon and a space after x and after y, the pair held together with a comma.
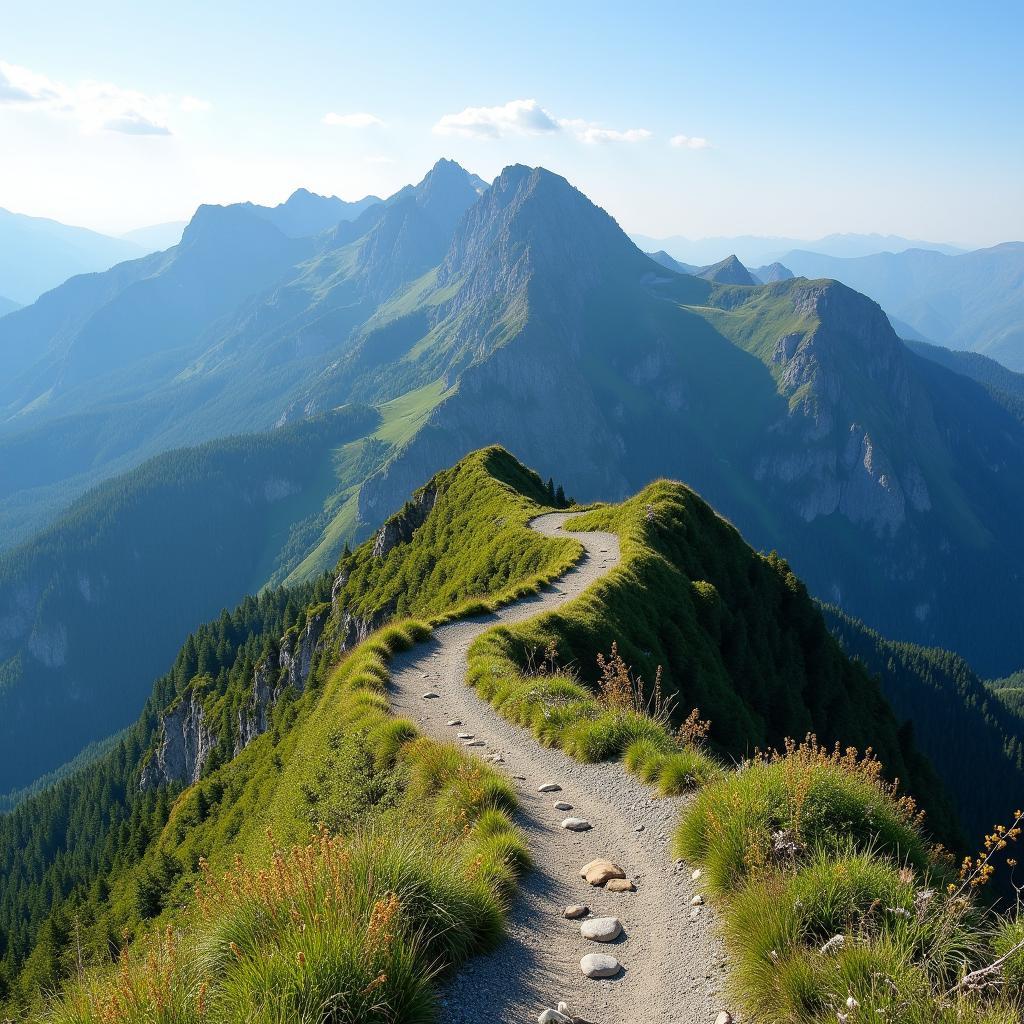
x: 415, y: 227
x: 532, y: 220
x: 772, y: 273
x: 728, y: 271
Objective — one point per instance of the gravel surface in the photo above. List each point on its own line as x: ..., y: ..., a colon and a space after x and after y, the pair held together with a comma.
x: 673, y: 966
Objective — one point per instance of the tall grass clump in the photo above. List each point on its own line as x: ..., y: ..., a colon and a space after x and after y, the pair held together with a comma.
x: 805, y: 797
x: 835, y: 906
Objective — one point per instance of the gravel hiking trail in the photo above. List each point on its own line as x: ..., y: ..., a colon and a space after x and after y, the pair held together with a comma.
x: 672, y: 957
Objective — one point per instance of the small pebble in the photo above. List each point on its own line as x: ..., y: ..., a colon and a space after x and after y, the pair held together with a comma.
x: 553, y: 1017
x: 576, y: 910
x: 465, y: 735
x: 639, y: 828
x: 620, y: 885
x: 474, y: 743
x: 725, y: 1017
x: 697, y: 901
x: 577, y: 825
x: 695, y: 913
x: 563, y: 806
x: 454, y: 722
x: 695, y: 876
x: 600, y: 965
x: 601, y: 929
x: 549, y: 787
x: 430, y: 695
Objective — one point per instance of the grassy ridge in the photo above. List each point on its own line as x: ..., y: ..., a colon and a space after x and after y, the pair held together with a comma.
x: 835, y: 903
x: 356, y: 925
x: 736, y: 633
x: 333, y: 758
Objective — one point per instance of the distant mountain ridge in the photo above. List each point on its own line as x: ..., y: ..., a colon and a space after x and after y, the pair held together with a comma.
x: 37, y: 254
x: 757, y: 250
x: 8, y: 305
x: 972, y: 301
x: 229, y: 320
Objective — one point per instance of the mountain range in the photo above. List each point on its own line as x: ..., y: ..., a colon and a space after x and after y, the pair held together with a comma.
x: 37, y: 254
x: 448, y: 317
x: 972, y: 300
x: 754, y: 250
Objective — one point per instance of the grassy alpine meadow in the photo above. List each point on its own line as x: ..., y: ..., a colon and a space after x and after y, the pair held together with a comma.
x: 353, y: 922
x: 691, y: 618
x: 471, y: 552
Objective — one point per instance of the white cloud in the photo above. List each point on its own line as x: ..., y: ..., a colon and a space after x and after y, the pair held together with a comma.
x: 19, y: 85
x: 689, y: 142
x: 133, y: 123
x: 95, y: 106
x: 194, y: 105
x: 528, y: 117
x: 517, y: 117
x: 360, y: 120
x: 591, y: 133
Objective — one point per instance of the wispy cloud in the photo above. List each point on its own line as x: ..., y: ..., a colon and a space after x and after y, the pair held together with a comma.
x: 528, y: 117
x: 95, y: 106
x: 19, y: 85
x: 358, y: 120
x: 517, y: 117
x: 592, y: 133
x: 689, y: 142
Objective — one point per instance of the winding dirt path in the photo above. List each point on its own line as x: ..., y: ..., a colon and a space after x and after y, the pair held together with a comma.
x: 674, y: 964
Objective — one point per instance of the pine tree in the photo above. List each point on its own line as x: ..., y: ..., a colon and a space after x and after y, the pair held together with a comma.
x: 560, y: 497
x: 551, y: 491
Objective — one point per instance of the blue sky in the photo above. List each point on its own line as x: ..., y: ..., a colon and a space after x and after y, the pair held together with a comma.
x: 788, y: 118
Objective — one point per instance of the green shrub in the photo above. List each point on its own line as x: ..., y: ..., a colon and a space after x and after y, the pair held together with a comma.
x: 685, y: 770
x: 818, y: 799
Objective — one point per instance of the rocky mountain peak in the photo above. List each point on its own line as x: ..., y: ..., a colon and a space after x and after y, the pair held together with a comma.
x: 728, y: 271
x: 531, y: 220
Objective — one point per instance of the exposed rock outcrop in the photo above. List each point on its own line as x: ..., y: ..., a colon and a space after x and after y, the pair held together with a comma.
x: 294, y: 663
x: 401, y: 526
x: 185, y: 745
x: 826, y: 459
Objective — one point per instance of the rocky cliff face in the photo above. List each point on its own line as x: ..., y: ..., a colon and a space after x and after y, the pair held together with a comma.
x: 186, y: 739
x: 828, y: 460
x: 294, y: 663
x: 400, y: 527
x: 185, y: 745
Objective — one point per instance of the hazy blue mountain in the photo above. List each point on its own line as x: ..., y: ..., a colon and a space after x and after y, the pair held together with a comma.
x: 772, y: 272
x: 157, y: 237
x: 671, y: 263
x: 8, y: 306
x: 972, y: 301
x: 728, y: 271
x: 95, y: 606
x: 209, y: 338
x: 37, y: 254
x: 757, y: 250
x: 305, y: 213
